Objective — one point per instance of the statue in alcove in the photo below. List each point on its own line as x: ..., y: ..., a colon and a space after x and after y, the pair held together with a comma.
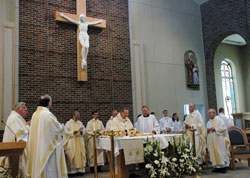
x: 192, y: 72
x: 195, y: 75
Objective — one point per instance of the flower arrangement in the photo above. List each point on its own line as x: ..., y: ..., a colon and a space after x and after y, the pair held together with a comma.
x: 175, y: 161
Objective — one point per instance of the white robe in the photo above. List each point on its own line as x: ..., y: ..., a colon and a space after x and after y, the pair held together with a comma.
x: 178, y: 126
x: 148, y: 124
x: 165, y: 123
x: 75, y: 147
x: 46, y: 157
x: 195, y: 119
x: 228, y: 122
x: 18, y: 125
x: 218, y: 143
x: 109, y: 124
x: 94, y: 125
x: 135, y: 125
x: 122, y: 124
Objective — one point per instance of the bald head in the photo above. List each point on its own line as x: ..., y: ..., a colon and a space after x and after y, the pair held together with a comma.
x: 211, y: 113
x: 191, y: 108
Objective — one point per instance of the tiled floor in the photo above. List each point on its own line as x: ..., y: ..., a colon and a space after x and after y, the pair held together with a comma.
x: 242, y: 171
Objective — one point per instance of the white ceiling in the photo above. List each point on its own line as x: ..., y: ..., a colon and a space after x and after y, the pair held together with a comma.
x: 235, y: 40
x: 200, y: 1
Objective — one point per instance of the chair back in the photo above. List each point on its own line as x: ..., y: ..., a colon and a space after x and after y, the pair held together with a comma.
x: 237, y: 136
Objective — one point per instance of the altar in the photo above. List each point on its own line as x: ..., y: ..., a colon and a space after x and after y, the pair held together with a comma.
x: 128, y: 150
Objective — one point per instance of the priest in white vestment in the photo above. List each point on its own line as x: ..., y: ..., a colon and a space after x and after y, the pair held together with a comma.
x: 194, y: 121
x: 218, y: 142
x: 75, y: 145
x: 94, y: 125
x: 109, y: 124
x: 122, y: 122
x: 166, y: 123
x: 16, y: 130
x: 228, y: 121
x: 46, y: 157
x: 147, y: 123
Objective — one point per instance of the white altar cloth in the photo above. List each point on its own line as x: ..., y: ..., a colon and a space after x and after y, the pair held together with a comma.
x: 105, y: 144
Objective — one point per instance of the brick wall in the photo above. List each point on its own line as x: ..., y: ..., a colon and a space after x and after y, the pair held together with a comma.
x: 221, y: 18
x: 48, y: 59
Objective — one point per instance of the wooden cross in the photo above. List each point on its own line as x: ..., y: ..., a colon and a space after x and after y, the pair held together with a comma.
x: 82, y: 75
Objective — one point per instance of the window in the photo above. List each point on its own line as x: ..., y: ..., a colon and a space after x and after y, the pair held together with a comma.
x: 228, y: 88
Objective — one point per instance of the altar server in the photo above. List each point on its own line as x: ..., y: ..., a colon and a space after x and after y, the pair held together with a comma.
x: 147, y: 123
x: 166, y: 123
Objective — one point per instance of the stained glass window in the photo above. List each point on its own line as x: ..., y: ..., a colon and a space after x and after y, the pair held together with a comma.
x: 228, y: 88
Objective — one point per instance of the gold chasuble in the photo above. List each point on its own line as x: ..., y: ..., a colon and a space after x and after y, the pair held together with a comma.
x: 195, y: 120
x: 75, y: 147
x: 218, y: 143
x: 46, y: 157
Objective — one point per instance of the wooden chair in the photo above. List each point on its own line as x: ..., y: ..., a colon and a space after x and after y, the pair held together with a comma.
x: 239, y: 145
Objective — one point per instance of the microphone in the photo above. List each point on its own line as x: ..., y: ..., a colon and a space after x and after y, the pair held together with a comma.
x: 11, y: 131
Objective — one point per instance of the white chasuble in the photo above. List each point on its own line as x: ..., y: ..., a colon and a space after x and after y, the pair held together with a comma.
x: 195, y: 120
x: 46, y: 157
x: 122, y: 124
x: 110, y: 124
x: 16, y: 130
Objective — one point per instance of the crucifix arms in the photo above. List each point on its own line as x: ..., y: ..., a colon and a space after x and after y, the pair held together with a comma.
x: 95, y: 23
x: 69, y: 19
x: 82, y: 18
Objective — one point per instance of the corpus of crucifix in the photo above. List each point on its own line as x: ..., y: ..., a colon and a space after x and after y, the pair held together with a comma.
x: 82, y: 21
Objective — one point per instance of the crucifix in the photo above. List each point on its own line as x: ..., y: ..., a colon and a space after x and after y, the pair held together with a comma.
x: 83, y: 22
